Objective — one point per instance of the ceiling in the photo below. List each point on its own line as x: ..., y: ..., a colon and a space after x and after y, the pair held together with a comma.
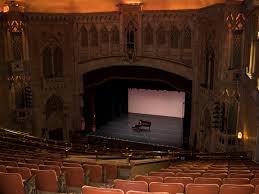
x: 86, y: 6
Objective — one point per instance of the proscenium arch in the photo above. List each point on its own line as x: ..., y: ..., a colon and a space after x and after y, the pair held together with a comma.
x: 170, y: 66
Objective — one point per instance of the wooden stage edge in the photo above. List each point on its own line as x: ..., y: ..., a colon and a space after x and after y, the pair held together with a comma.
x: 126, y: 169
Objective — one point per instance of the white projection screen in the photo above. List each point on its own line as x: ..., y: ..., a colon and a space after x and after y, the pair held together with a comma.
x: 156, y: 102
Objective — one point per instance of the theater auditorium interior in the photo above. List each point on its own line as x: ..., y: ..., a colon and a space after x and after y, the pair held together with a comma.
x: 129, y: 96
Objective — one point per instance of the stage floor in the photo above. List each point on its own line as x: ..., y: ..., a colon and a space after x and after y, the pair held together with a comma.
x: 163, y: 131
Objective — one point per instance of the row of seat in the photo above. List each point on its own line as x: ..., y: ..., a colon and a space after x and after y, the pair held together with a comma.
x: 197, y: 174
x: 176, y: 188
x: 142, y: 185
x: 187, y: 180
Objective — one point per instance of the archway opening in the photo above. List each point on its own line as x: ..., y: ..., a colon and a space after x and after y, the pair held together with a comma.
x: 139, y: 104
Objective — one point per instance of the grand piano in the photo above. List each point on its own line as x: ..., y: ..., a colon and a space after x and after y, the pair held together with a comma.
x: 142, y: 125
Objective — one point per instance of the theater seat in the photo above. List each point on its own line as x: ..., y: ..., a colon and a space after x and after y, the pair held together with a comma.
x: 215, y: 175
x: 97, y: 190
x: 46, y: 180
x: 51, y: 167
x: 183, y: 174
x: 2, y: 168
x: 127, y: 185
x: 205, y: 180
x: 237, y: 175
x: 236, y: 181
x: 183, y: 180
x: 148, y: 179
x: 74, y: 178
x: 30, y: 166
x: 11, y: 183
x: 202, y: 189
x: 9, y: 163
x: 162, y: 174
x: 95, y: 172
x: 171, y: 188
x: 255, y: 182
x: 68, y: 164
x: 140, y: 192
x: 236, y: 189
x: 23, y: 171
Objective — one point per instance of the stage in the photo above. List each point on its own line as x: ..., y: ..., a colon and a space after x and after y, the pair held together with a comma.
x: 163, y: 131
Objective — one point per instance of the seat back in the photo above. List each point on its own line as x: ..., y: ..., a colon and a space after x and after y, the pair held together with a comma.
x: 237, y: 175
x: 202, y: 188
x: 127, y: 185
x: 205, y: 180
x: 183, y: 180
x: 148, y: 179
x: 162, y: 174
x: 236, y: 189
x: 56, y: 163
x: 51, y: 167
x: 95, y: 172
x: 171, y: 188
x: 2, y: 168
x: 11, y: 183
x: 141, y: 192
x: 215, y: 175
x: 236, y: 181
x: 9, y: 163
x: 74, y: 176
x: 30, y: 166
x: 23, y: 171
x: 183, y: 174
x: 46, y: 180
x: 255, y: 182
x: 68, y: 164
x: 97, y: 190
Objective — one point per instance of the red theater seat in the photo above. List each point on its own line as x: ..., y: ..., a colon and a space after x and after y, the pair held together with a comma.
x: 202, y: 189
x: 51, y: 167
x: 162, y: 174
x: 74, y: 178
x: 236, y: 181
x: 148, y: 179
x: 23, y: 171
x: 95, y: 172
x: 97, y: 190
x: 46, y: 180
x: 183, y: 180
x: 205, y: 180
x: 11, y: 183
x: 236, y: 189
x: 127, y: 185
x: 171, y: 188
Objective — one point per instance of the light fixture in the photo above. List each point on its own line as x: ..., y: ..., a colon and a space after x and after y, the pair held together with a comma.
x: 239, y: 135
x: 258, y: 35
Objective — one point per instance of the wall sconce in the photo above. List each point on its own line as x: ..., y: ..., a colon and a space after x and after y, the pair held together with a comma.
x: 257, y: 35
x: 239, y: 135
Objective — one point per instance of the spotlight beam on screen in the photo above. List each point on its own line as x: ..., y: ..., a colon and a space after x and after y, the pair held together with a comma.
x: 156, y: 102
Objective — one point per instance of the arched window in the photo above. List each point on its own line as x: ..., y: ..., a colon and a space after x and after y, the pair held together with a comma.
x: 161, y: 35
x: 58, y: 62
x: 187, y: 38
x: 47, y: 63
x: 115, y: 38
x: 175, y: 36
x: 148, y: 35
x: 104, y: 35
x: 93, y: 36
x: 84, y: 37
